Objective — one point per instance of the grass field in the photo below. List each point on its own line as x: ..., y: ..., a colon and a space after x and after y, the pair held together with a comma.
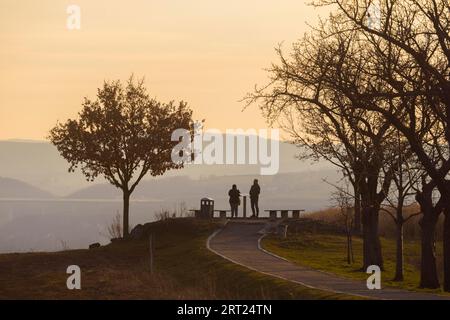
x: 184, y: 269
x: 320, y: 246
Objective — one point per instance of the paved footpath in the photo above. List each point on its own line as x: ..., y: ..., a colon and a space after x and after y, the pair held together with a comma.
x: 239, y: 243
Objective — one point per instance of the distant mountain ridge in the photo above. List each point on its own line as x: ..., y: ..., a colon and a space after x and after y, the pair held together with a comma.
x: 15, y: 189
x: 284, y: 190
x: 38, y: 163
x: 288, y: 190
x: 79, y: 211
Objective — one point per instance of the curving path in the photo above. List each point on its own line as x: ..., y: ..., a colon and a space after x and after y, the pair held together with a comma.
x: 238, y: 242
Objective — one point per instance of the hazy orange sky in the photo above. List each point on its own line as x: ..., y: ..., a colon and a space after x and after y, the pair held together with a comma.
x: 207, y: 52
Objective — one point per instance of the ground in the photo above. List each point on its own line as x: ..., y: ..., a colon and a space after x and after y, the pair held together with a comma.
x: 184, y: 269
x: 323, y: 247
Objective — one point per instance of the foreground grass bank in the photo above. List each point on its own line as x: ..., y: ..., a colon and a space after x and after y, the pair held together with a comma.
x: 184, y: 269
x: 322, y: 247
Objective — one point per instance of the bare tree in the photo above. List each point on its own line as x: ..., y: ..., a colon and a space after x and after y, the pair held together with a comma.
x: 409, y: 56
x: 306, y: 92
x: 343, y: 200
x: 114, y: 229
x: 407, y: 175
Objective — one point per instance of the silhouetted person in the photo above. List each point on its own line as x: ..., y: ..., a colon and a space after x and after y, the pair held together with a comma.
x: 255, y: 190
x: 235, y: 200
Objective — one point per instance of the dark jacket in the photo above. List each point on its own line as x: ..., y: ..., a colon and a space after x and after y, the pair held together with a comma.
x: 234, y: 196
x: 255, y: 190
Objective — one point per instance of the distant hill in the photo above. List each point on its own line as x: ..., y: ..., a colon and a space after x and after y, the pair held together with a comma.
x: 15, y: 189
x: 39, y: 163
x: 306, y: 189
x: 83, y: 210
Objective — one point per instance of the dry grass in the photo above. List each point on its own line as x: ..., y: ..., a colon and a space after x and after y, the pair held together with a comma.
x: 386, y: 227
x: 319, y: 242
x: 185, y: 269
x: 116, y: 272
x: 326, y: 251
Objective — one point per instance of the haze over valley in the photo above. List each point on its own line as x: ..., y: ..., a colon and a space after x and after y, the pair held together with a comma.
x: 45, y: 208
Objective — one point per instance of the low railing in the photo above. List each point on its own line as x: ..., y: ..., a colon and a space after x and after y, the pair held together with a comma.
x: 273, y: 213
x: 284, y: 214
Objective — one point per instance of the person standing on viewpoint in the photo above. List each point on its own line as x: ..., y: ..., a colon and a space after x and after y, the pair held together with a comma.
x: 235, y: 200
x: 255, y: 190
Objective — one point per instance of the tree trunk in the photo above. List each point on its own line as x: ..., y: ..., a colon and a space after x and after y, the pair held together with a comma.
x: 428, y: 271
x: 357, y: 218
x: 348, y: 249
x: 371, y: 240
x: 446, y: 241
x: 351, y: 249
x: 126, y: 210
x: 399, y: 253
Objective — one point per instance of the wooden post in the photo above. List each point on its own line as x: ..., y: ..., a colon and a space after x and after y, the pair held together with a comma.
x: 282, y: 231
x: 151, y: 247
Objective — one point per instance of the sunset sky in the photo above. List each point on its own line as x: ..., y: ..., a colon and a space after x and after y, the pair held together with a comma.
x: 209, y: 53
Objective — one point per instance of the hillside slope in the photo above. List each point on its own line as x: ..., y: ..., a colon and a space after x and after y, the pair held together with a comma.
x: 184, y: 269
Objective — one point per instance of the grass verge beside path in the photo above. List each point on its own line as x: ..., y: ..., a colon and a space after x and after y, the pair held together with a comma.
x: 320, y: 248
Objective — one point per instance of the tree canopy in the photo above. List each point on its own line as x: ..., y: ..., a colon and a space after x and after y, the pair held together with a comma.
x: 122, y: 135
